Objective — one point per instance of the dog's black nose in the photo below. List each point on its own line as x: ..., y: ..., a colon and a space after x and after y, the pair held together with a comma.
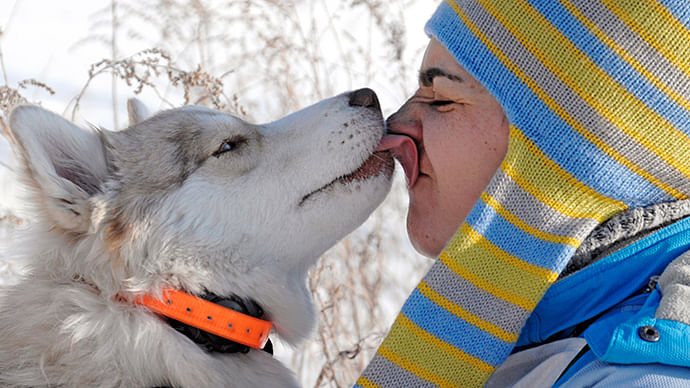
x: 365, y: 98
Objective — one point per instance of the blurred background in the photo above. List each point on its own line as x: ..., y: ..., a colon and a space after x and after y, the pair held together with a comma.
x: 259, y: 60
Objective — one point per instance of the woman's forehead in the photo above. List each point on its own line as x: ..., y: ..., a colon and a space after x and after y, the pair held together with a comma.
x: 439, y: 62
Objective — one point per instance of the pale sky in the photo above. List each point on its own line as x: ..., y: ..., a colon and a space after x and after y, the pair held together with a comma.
x: 37, y: 43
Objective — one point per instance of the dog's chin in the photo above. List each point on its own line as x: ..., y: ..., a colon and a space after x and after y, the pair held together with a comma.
x: 289, y: 306
x: 378, y: 163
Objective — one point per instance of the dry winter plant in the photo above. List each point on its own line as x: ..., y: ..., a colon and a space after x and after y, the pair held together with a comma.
x: 150, y: 67
x: 262, y: 59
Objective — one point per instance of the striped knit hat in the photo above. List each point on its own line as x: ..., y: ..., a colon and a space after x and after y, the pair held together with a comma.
x: 597, y: 93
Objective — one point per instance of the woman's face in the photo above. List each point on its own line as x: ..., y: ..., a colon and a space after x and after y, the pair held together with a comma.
x: 461, y: 137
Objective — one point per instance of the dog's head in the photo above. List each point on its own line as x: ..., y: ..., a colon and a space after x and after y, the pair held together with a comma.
x: 198, y: 200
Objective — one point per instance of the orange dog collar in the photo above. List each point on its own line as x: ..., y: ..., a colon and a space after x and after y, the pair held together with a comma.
x: 210, y: 317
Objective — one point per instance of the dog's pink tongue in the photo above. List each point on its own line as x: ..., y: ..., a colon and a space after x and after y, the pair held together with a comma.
x: 405, y: 150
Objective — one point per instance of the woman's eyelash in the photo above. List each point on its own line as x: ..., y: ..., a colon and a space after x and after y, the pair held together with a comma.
x: 440, y: 102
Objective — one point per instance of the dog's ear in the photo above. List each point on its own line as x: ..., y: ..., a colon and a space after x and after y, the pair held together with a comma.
x: 137, y: 111
x: 64, y: 165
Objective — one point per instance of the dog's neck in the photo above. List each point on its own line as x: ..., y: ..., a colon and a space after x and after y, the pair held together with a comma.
x: 217, y: 324
x: 244, y: 310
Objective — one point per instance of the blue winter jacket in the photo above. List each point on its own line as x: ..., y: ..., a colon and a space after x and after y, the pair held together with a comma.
x: 599, y: 327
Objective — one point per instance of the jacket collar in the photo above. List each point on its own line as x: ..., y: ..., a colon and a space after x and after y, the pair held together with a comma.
x: 604, y: 283
x: 624, y: 229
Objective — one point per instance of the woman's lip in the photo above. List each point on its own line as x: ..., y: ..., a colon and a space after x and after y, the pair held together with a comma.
x: 405, y: 151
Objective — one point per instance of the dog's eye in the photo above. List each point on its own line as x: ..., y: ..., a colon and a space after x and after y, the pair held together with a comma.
x: 229, y: 145
x: 226, y: 147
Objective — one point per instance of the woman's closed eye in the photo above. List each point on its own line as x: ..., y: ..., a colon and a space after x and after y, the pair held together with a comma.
x: 443, y: 105
x: 441, y: 102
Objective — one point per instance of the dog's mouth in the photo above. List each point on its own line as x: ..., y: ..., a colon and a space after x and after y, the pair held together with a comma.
x: 379, y: 162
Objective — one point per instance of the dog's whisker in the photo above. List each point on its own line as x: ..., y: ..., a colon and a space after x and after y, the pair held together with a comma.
x: 379, y: 157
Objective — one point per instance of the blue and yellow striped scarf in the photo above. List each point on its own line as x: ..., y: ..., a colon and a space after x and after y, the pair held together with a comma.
x: 597, y: 93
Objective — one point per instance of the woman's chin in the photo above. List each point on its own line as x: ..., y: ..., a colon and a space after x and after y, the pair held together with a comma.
x: 424, y: 239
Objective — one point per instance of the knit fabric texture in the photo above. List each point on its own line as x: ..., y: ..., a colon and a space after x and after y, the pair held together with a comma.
x: 597, y: 93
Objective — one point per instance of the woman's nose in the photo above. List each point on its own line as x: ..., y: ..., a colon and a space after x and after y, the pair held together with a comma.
x: 404, y: 123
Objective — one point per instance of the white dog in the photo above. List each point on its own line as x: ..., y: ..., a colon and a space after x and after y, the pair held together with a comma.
x: 190, y: 199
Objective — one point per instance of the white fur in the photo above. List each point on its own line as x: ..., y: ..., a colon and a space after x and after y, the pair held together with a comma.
x: 120, y: 214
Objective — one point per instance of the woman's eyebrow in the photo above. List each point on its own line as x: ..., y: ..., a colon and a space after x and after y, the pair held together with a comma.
x: 426, y: 77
